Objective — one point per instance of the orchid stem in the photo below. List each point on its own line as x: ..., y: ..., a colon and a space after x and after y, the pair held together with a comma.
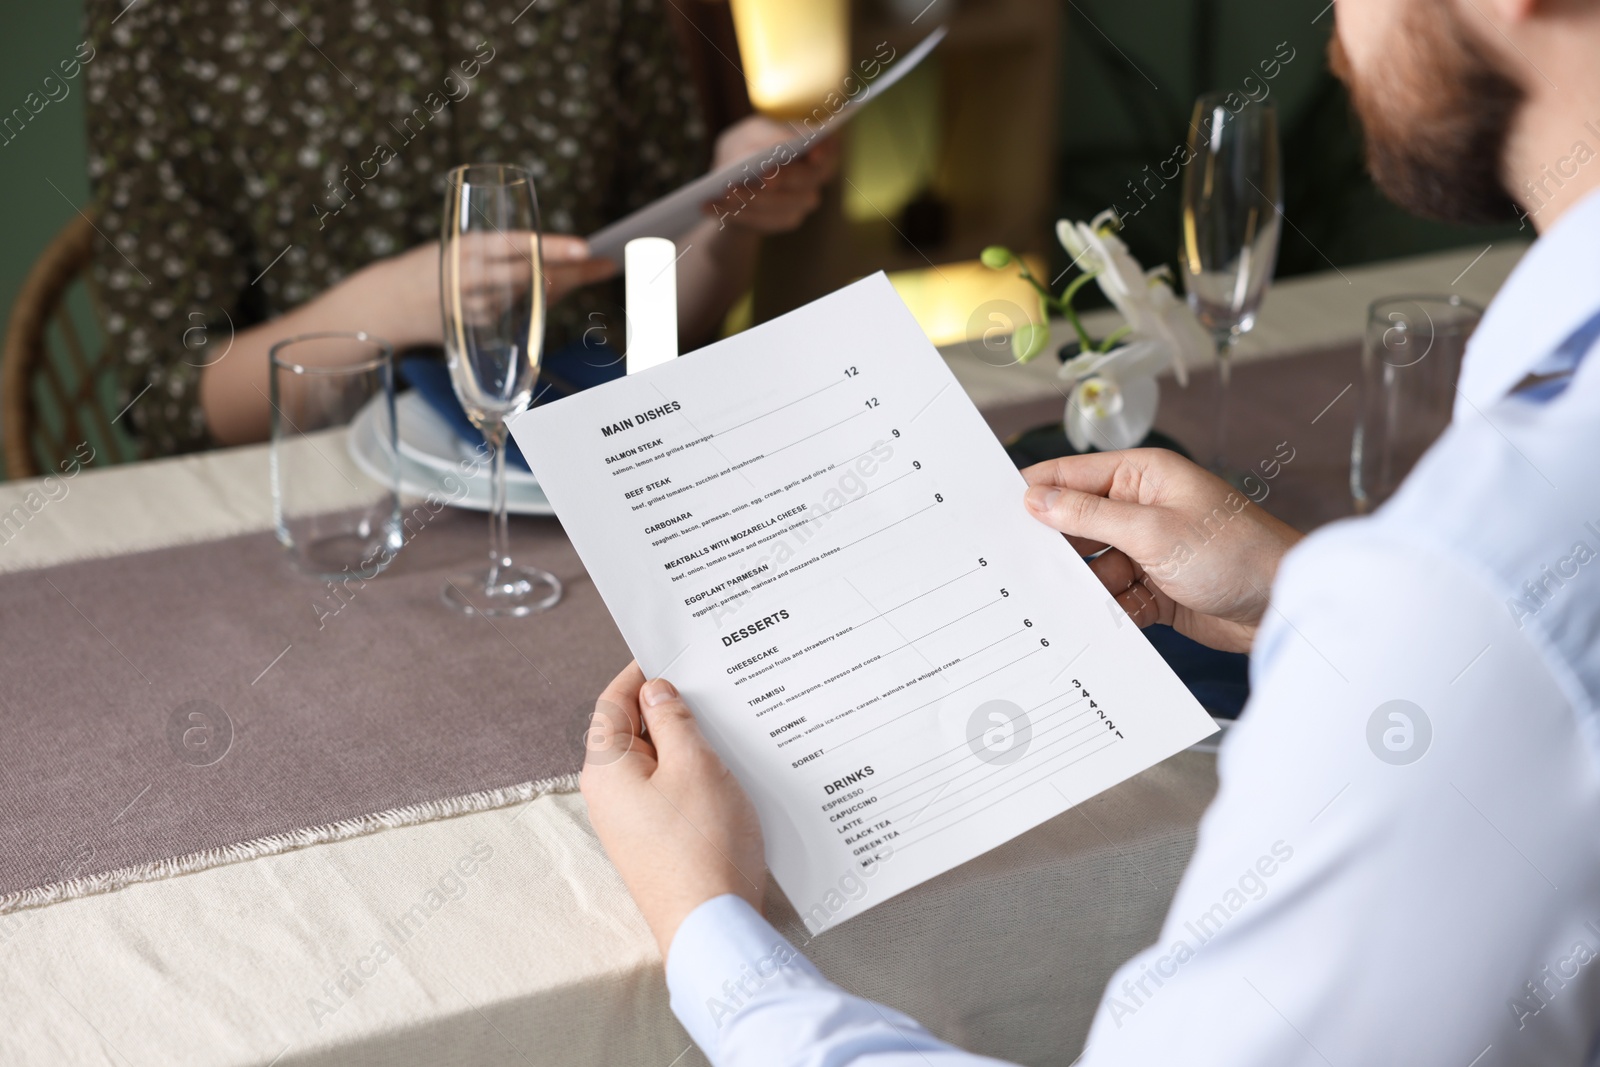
x: 1085, y: 343
x: 1028, y: 277
x: 1116, y: 335
x: 1078, y: 283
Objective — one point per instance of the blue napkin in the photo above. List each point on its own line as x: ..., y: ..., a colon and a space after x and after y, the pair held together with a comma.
x: 568, y: 370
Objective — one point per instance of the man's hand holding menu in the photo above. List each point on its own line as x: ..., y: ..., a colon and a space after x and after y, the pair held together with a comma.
x: 809, y: 529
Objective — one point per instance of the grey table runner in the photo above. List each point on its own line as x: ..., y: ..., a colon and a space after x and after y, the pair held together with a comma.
x: 170, y: 710
x: 1304, y: 406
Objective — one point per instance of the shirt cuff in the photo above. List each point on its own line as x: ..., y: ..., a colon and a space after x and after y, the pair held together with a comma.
x: 722, y: 956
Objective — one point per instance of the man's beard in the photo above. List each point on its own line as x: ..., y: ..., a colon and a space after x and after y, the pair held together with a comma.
x: 1437, y: 115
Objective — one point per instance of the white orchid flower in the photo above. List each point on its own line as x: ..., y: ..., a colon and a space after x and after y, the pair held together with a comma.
x: 1144, y: 299
x: 1173, y: 323
x: 1114, y: 396
x: 1096, y: 249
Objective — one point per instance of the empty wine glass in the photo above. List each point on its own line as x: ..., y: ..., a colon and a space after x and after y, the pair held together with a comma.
x: 491, y: 283
x: 1232, y: 201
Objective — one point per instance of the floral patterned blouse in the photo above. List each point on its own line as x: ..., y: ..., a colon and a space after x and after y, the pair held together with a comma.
x: 248, y: 154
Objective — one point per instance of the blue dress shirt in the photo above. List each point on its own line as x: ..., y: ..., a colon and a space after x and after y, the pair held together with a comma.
x: 1402, y: 864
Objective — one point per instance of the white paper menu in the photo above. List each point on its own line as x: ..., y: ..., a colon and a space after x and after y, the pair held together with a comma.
x: 810, y: 530
x: 679, y: 211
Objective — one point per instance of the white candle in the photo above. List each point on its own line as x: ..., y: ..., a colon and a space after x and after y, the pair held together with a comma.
x: 650, y: 268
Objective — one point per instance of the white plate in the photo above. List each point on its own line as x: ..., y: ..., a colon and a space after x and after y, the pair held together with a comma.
x: 426, y: 438
x: 371, y: 453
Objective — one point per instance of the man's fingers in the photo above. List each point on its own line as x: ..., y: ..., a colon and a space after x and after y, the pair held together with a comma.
x: 611, y: 740
x: 1091, y: 473
x: 624, y: 692
x: 1115, y: 571
x: 1089, y: 515
x: 1085, y: 546
x: 1141, y: 604
x: 1130, y: 586
x: 673, y: 731
x: 613, y: 737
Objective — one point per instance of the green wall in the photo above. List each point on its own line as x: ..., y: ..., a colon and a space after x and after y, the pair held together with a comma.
x: 43, y: 166
x: 1125, y: 105
x: 50, y: 148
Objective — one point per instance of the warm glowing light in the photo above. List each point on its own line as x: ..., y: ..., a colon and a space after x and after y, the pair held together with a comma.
x: 795, y: 52
x: 969, y: 302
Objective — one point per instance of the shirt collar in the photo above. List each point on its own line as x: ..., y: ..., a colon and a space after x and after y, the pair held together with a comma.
x: 1550, y: 295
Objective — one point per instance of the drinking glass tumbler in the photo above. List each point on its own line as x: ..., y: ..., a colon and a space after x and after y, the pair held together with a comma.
x: 334, y: 520
x: 1410, y: 362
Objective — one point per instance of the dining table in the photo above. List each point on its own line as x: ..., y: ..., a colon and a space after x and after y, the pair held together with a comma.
x: 528, y: 949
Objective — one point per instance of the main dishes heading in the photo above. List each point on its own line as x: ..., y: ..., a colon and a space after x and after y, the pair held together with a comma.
x: 649, y: 415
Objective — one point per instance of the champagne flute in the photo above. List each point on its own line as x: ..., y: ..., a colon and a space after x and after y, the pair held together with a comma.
x: 491, y: 282
x: 1232, y: 212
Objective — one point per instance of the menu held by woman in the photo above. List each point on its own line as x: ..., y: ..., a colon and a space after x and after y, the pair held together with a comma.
x: 809, y: 529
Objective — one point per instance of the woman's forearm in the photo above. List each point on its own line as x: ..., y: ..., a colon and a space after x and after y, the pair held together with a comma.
x: 395, y: 299
x: 718, y: 257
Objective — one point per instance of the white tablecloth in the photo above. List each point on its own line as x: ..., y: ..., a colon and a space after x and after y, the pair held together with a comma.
x: 540, y: 957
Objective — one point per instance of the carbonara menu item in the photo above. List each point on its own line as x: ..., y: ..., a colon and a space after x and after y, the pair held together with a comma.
x: 812, y: 532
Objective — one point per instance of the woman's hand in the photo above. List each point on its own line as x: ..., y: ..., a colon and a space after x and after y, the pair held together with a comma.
x: 395, y: 298
x: 674, y: 821
x: 781, y: 189
x: 717, y: 258
x: 1187, y: 549
x: 569, y: 266
x: 410, y: 280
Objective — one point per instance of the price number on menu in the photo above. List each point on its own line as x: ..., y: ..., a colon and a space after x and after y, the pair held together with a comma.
x: 1094, y: 706
x: 1027, y: 624
x: 1005, y: 594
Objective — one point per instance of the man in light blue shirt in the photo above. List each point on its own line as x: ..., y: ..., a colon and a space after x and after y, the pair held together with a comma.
x: 1402, y: 864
